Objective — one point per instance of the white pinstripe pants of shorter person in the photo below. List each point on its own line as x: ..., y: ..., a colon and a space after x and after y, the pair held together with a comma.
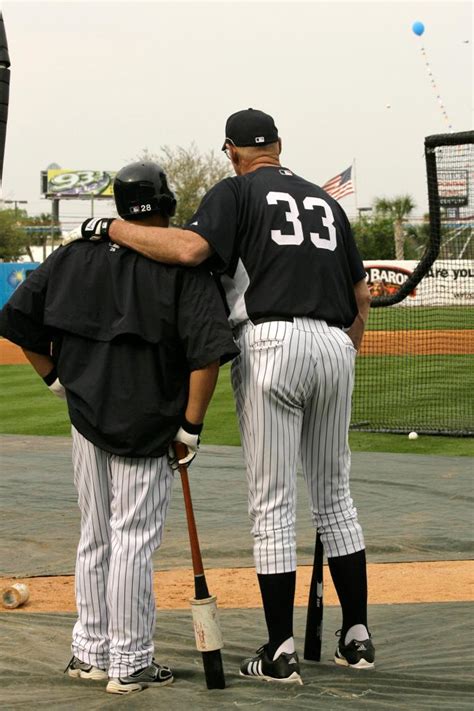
x: 123, y: 503
x: 293, y: 385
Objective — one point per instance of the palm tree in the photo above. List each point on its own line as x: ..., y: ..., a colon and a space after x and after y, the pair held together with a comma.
x: 398, y: 209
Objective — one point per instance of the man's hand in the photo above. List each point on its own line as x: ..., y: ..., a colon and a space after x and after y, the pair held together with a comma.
x: 188, y: 434
x: 54, y: 384
x: 72, y: 235
x: 362, y: 295
x: 96, y: 229
x: 356, y: 332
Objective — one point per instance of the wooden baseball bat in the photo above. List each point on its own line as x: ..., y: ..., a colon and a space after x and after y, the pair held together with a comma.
x: 314, y: 619
x: 212, y: 660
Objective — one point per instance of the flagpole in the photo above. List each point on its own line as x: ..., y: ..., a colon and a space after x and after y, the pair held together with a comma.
x: 355, y: 186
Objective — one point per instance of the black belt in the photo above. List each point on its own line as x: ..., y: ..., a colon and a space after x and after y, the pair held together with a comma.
x: 290, y: 319
x: 266, y: 319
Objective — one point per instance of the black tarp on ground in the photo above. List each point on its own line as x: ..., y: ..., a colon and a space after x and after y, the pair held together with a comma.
x: 412, y: 507
x: 424, y: 661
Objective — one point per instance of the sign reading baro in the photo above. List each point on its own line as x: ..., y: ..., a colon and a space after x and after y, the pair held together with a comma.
x: 449, y: 282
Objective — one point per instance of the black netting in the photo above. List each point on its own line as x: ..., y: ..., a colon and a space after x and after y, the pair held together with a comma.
x: 416, y: 370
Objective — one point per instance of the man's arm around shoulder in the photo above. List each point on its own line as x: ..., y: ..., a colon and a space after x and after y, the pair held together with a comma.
x: 171, y: 245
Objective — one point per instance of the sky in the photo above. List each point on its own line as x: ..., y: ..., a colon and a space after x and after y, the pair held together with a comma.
x: 95, y: 83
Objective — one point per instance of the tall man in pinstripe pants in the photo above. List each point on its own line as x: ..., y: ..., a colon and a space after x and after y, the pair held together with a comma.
x: 135, y: 350
x: 298, y: 302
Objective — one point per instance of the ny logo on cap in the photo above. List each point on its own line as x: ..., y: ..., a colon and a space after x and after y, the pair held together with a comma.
x: 259, y: 139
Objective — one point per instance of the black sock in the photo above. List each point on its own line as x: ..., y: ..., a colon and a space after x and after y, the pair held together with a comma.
x: 278, y: 597
x: 349, y: 575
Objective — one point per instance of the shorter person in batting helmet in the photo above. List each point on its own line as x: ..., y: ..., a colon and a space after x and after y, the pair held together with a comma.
x: 134, y: 347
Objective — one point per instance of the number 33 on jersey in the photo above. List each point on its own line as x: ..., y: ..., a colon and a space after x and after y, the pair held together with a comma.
x: 282, y: 246
x: 309, y: 203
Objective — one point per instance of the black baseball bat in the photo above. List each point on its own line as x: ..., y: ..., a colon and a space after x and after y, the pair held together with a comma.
x: 212, y: 661
x: 314, y: 619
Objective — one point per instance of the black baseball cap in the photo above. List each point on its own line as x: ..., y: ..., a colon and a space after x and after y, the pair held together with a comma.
x: 250, y: 127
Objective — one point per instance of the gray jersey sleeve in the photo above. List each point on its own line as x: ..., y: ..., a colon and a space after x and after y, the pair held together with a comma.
x: 202, y: 323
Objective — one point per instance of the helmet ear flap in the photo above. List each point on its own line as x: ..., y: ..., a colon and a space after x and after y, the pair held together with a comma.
x: 168, y: 205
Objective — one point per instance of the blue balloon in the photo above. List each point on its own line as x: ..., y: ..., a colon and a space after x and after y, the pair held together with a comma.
x: 418, y: 28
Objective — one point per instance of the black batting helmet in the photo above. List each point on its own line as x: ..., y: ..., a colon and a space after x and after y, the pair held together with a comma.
x: 141, y: 189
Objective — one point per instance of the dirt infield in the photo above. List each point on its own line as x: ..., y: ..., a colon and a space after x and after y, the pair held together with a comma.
x: 389, y: 583
x: 418, y: 342
x: 10, y: 354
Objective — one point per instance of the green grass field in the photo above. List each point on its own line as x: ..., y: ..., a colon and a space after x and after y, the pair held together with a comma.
x: 431, y: 391
x: 26, y: 407
x: 421, y: 317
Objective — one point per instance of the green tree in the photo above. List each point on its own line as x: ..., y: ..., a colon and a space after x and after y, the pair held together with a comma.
x: 374, y: 237
x: 416, y: 239
x: 190, y: 174
x: 398, y: 209
x: 13, y: 239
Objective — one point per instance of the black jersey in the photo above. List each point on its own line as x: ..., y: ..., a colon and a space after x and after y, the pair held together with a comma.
x: 126, y: 332
x: 283, y: 247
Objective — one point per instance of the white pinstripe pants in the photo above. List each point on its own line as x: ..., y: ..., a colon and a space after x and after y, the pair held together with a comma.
x: 123, y: 503
x: 293, y: 386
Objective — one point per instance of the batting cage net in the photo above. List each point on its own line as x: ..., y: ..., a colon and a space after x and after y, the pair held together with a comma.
x: 415, y: 371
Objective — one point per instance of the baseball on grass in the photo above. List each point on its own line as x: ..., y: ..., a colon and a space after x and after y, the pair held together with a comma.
x: 413, y: 435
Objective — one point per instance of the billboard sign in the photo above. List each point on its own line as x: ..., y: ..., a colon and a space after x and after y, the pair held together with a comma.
x: 86, y: 184
x: 452, y: 188
x: 12, y: 274
x: 449, y: 282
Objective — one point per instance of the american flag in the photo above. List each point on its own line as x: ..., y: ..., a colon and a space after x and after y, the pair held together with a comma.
x: 341, y: 185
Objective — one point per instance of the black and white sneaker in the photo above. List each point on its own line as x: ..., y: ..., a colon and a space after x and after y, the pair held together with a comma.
x: 80, y: 670
x: 357, y: 654
x: 154, y: 675
x: 285, y: 668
